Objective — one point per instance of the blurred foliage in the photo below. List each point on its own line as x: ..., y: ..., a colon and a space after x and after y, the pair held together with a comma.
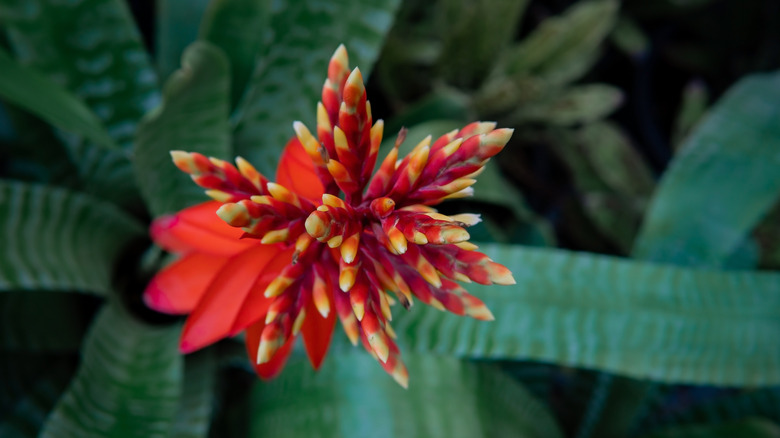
x: 646, y: 130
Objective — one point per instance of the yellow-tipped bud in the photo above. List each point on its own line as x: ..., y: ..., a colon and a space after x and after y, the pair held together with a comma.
x: 275, y: 236
x: 236, y: 215
x: 219, y: 195
x: 298, y: 322
x: 349, y: 248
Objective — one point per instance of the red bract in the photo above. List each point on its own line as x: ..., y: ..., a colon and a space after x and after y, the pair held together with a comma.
x: 327, y: 238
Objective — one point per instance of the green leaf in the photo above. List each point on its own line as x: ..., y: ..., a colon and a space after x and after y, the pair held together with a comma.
x: 643, y: 320
x: 241, y: 28
x: 563, y: 48
x: 472, y: 34
x: 629, y: 37
x: 55, y: 239
x: 176, y: 27
x: 351, y: 396
x: 37, y: 94
x: 93, y: 49
x: 579, y: 104
x: 721, y: 183
x: 193, y: 117
x: 43, y: 321
x: 197, y: 398
x: 693, y: 107
x: 615, y: 160
x: 128, y: 384
x: 747, y: 428
x: 287, y: 84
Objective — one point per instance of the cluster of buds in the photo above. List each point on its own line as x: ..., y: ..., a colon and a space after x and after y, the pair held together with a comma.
x: 359, y: 242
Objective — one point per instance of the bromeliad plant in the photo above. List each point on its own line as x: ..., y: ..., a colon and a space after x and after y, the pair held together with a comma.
x: 583, y: 345
x: 327, y: 236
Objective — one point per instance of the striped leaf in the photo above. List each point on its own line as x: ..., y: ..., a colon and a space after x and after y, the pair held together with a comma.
x: 350, y: 396
x: 128, y: 384
x: 46, y: 99
x: 643, y: 320
x: 723, y: 180
x: 287, y: 84
x: 241, y: 28
x: 193, y: 117
x: 93, y: 49
x: 55, y: 239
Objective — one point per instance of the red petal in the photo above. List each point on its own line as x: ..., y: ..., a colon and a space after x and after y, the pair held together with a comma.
x: 198, y: 228
x: 256, y: 304
x: 179, y: 286
x: 217, y: 310
x: 296, y: 172
x: 317, y: 332
x: 274, y: 366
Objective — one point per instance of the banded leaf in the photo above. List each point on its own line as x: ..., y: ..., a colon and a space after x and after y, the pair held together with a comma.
x: 128, y: 384
x: 56, y: 239
x: 643, y: 320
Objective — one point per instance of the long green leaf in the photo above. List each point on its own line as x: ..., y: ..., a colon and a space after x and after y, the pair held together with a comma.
x: 41, y: 96
x: 55, y: 239
x: 352, y: 397
x: 241, y: 28
x: 562, y: 48
x: 287, y: 84
x: 643, y: 320
x: 723, y: 180
x: 93, y: 49
x: 128, y: 385
x: 194, y: 117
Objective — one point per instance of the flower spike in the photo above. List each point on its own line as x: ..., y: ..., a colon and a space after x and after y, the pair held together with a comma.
x: 328, y: 239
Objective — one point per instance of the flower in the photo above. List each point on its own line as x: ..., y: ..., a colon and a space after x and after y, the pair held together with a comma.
x: 328, y: 238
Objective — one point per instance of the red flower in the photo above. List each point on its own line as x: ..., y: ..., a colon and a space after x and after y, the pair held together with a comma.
x: 278, y: 258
